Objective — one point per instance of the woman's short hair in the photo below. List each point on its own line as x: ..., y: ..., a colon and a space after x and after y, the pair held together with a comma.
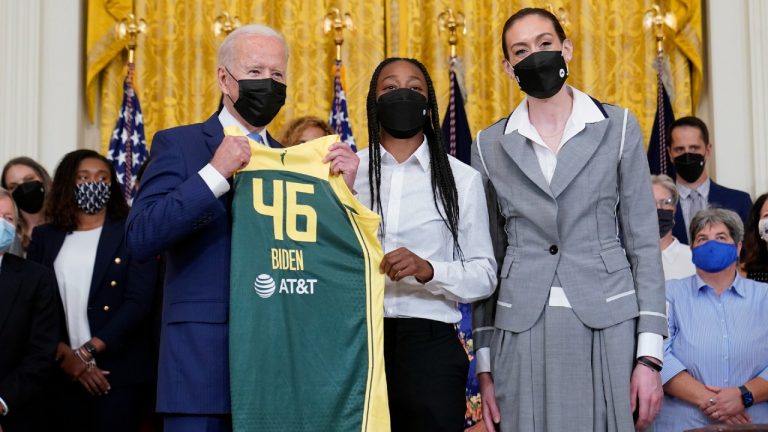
x: 667, y: 183
x: 5, y: 193
x: 711, y: 216
x: 295, y: 128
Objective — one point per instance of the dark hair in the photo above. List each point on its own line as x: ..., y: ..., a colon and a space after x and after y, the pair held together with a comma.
x: 754, y: 253
x: 443, y: 183
x: 298, y: 125
x: 62, y: 208
x: 693, y: 122
x: 33, y: 165
x: 522, y: 13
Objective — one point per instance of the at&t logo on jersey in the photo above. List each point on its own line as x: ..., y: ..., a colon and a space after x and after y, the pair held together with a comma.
x: 265, y: 286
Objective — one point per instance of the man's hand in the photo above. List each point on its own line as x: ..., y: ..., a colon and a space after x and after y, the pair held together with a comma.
x: 95, y: 381
x: 491, y: 415
x: 725, y: 404
x: 645, y: 395
x: 343, y: 161
x: 233, y: 153
x: 401, y: 262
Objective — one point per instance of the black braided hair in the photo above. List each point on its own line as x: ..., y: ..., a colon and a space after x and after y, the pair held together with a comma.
x: 443, y: 183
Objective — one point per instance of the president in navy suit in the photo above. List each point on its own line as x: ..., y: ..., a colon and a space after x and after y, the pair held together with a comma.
x: 183, y: 212
x: 690, y: 149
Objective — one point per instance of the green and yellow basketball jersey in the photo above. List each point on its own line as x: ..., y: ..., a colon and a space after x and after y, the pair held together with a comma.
x: 306, y: 298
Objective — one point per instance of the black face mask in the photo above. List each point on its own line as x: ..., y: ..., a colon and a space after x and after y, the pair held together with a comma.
x: 666, y: 221
x: 689, y: 166
x: 541, y: 74
x: 260, y: 100
x: 402, y: 112
x: 29, y: 196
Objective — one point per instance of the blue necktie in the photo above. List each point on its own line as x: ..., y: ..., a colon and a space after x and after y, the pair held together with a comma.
x: 256, y: 137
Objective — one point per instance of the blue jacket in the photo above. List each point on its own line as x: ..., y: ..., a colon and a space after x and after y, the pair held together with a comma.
x: 719, y: 196
x: 176, y: 214
x: 119, y: 301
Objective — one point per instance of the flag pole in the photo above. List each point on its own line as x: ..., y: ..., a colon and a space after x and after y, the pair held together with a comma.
x: 335, y: 21
x: 225, y: 24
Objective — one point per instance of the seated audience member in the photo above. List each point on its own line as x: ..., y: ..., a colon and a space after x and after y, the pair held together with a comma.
x: 754, y: 255
x: 29, y: 183
x: 690, y: 149
x: 104, y: 351
x: 29, y: 331
x: 716, y: 356
x: 304, y: 129
x: 675, y: 256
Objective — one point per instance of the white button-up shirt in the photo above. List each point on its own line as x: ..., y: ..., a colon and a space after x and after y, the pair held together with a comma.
x: 412, y: 221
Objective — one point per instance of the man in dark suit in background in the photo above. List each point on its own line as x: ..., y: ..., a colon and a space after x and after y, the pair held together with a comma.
x: 183, y: 211
x: 29, y: 329
x: 690, y: 149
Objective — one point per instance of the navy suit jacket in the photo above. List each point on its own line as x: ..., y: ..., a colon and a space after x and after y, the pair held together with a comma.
x: 29, y: 335
x: 176, y: 214
x: 721, y: 197
x: 119, y: 301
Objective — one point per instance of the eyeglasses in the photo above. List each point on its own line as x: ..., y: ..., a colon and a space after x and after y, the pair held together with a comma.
x: 664, y: 202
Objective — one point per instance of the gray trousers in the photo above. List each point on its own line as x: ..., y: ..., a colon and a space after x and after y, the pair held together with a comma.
x: 563, y: 376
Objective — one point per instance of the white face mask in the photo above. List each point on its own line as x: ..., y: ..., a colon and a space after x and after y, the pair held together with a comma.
x: 762, y: 229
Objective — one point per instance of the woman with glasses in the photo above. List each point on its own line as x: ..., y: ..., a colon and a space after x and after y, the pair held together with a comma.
x: 675, y: 256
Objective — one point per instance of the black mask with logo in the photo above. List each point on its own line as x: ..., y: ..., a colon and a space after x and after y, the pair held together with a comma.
x: 260, y: 100
x: 402, y: 112
x: 29, y: 196
x: 689, y: 166
x: 541, y: 74
x: 666, y: 221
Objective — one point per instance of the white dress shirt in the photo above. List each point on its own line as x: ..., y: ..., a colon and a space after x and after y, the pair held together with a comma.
x: 677, y: 260
x: 584, y: 111
x: 74, y: 271
x: 215, y: 181
x: 412, y: 221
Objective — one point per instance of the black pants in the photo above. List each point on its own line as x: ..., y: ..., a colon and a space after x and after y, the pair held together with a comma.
x: 426, y: 370
x: 121, y: 410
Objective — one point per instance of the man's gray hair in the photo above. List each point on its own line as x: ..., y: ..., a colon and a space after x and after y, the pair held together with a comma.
x: 226, y: 49
x: 712, y: 216
x: 667, y: 183
x: 5, y: 193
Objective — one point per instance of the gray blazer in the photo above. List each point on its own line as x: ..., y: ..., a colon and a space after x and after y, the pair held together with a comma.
x: 572, y: 229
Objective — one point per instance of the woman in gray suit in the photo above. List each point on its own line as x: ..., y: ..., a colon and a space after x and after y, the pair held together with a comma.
x: 572, y: 338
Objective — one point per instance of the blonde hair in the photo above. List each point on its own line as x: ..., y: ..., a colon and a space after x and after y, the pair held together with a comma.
x: 294, y: 129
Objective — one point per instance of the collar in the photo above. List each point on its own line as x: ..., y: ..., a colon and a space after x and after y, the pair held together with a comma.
x: 584, y: 111
x: 703, y: 189
x: 227, y: 119
x: 421, y: 155
x: 737, y: 286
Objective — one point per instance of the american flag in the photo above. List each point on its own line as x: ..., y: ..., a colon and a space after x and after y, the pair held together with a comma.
x: 128, y: 145
x: 658, y: 156
x: 339, y: 119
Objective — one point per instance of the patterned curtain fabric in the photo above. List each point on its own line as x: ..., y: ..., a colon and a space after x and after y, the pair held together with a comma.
x: 176, y: 59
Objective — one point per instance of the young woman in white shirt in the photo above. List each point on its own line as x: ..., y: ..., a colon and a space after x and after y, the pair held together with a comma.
x: 434, y: 231
x: 104, y: 353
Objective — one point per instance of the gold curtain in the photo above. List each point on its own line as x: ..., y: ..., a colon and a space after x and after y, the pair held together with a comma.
x: 176, y: 59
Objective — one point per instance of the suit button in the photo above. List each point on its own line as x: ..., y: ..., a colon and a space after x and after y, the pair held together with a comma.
x: 553, y: 249
x: 106, y: 308
x: 118, y: 260
x: 113, y: 283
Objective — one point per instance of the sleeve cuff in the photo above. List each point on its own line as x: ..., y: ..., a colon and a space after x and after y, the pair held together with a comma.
x: 672, y: 367
x: 650, y: 345
x: 214, y: 180
x: 5, y: 407
x: 482, y: 360
x: 763, y: 374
